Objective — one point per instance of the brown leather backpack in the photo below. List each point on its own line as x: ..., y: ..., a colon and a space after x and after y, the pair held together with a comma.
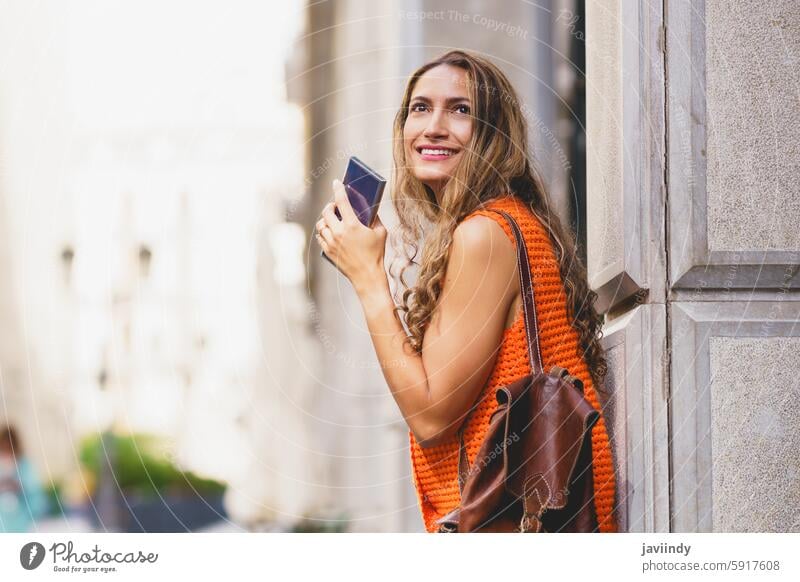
x: 533, y: 472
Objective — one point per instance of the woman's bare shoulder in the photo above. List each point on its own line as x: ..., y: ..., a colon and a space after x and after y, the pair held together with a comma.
x: 482, y: 241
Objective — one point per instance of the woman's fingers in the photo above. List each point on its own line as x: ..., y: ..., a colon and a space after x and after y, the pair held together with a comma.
x: 330, y: 219
x: 322, y: 242
x: 324, y: 232
x: 343, y: 202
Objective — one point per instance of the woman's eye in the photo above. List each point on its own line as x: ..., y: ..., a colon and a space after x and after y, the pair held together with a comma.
x: 463, y: 109
x: 416, y: 107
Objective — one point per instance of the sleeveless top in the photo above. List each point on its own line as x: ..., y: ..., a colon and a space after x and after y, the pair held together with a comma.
x: 435, y: 469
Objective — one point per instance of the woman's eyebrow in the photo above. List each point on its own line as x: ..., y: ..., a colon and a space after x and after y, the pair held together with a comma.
x: 448, y: 100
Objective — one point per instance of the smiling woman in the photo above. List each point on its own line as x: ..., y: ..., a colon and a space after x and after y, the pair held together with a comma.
x: 439, y: 125
x: 460, y: 153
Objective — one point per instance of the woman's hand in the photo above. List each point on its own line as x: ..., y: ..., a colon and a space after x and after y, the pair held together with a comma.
x: 356, y: 250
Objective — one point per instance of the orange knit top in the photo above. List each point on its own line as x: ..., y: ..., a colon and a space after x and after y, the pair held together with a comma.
x: 435, y: 469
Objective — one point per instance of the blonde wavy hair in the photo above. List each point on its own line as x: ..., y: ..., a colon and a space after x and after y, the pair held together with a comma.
x: 495, y: 162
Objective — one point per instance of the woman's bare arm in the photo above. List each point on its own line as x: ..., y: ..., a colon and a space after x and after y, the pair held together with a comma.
x: 435, y: 390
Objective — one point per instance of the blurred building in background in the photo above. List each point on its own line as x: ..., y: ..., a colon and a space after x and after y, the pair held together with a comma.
x: 150, y: 284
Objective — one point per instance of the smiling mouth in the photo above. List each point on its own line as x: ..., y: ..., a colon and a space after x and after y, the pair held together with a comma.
x: 430, y: 153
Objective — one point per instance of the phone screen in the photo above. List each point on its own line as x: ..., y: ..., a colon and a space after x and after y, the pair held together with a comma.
x: 364, y: 189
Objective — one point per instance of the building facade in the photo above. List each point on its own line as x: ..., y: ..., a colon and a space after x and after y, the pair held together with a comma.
x: 692, y: 127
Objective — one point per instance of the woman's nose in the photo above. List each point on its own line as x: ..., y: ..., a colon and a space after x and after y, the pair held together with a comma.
x: 437, y: 125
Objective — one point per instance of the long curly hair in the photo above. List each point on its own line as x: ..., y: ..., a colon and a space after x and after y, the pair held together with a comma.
x: 495, y: 162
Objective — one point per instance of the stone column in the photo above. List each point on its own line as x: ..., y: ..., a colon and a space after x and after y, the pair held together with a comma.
x: 734, y: 255
x: 626, y: 245
x: 693, y: 249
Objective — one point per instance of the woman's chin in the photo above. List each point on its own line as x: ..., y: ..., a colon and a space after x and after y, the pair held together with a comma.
x: 432, y: 179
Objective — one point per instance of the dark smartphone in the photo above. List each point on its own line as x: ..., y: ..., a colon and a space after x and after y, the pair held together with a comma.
x: 364, y: 189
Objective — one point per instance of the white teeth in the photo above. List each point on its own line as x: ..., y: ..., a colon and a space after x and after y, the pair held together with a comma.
x: 430, y: 152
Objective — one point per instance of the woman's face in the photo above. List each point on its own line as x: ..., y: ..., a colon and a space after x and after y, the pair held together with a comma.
x: 439, y: 125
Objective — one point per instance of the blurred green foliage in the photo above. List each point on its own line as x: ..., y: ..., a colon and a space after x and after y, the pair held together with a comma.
x: 142, y: 465
x: 336, y: 524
